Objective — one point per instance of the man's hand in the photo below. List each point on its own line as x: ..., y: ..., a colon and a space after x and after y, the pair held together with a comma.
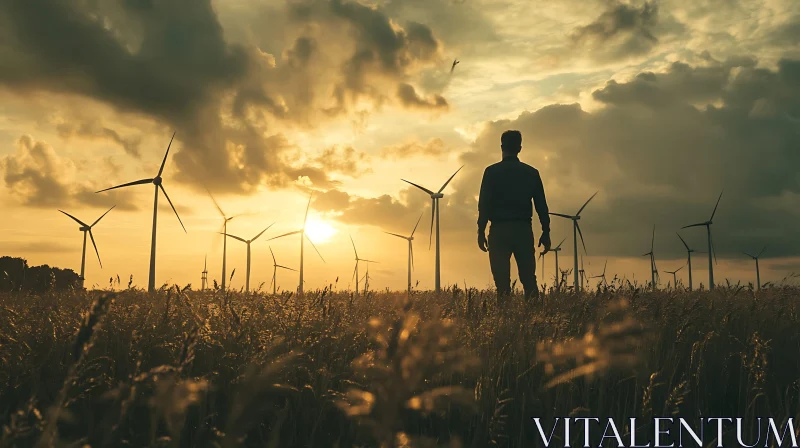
x: 544, y: 240
x: 482, y: 244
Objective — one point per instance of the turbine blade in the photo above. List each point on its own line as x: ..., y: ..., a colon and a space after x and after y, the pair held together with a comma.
x: 308, y: 207
x: 433, y: 215
x: 679, y: 269
x: 235, y: 237
x: 164, y: 162
x: 715, y: 207
x: 581, y: 235
x: 682, y: 241
x: 751, y: 256
x: 369, y: 261
x: 559, y: 244
x: 137, y: 182
x: 101, y: 216
x: 284, y: 267
x: 653, y: 241
x: 412, y: 255
x: 260, y: 233
x: 448, y: 180
x: 587, y: 203
x: 95, y: 248
x: 273, y: 255
x: 354, y: 246
x: 315, y: 248
x: 355, y: 269
x: 285, y: 234
x: 561, y: 215
x: 219, y: 209
x: 74, y: 218
x: 420, y: 187
x: 170, y: 204
x: 394, y: 234
x: 713, y: 249
x: 762, y: 250
x: 415, y: 225
x: 694, y: 225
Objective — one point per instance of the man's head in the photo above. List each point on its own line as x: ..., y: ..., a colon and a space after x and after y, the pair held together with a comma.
x: 511, y: 142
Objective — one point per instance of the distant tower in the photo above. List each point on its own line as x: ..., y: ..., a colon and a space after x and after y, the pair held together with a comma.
x: 204, y: 277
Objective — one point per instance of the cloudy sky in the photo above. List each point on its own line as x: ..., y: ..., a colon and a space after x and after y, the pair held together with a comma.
x: 657, y: 105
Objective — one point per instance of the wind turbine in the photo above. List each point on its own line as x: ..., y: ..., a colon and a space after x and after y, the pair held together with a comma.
x: 688, y: 258
x: 247, y: 275
x: 674, y: 277
x: 435, y: 215
x: 603, y: 275
x: 86, y: 228
x: 303, y: 237
x: 355, y: 272
x: 556, y: 250
x: 754, y: 257
x: 653, y: 269
x: 366, y: 276
x: 204, y: 275
x: 410, y: 240
x: 711, y: 253
x: 576, y: 230
x: 158, y: 183
x: 275, y: 267
x: 223, y: 230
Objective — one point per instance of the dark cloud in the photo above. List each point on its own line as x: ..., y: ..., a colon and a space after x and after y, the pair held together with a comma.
x: 624, y: 30
x: 408, y: 97
x: 96, y: 130
x: 38, y: 177
x: 345, y: 160
x: 434, y: 147
x: 660, y: 151
x: 170, y: 61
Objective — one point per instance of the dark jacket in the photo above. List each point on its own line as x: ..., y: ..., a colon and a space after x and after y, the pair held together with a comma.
x: 507, y: 189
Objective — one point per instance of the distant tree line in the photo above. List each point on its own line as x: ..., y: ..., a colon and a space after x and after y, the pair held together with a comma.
x: 16, y: 275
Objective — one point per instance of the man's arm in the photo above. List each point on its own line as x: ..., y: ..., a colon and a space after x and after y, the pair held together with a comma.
x: 483, y: 206
x: 540, y: 203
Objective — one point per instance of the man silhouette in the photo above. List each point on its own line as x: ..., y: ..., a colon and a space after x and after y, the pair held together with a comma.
x: 507, y: 189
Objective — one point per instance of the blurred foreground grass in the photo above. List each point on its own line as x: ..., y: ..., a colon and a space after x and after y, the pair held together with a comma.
x: 188, y: 368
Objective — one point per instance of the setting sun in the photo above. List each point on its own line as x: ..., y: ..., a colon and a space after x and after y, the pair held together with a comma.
x: 319, y: 231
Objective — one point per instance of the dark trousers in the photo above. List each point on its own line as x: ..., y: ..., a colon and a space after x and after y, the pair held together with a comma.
x: 508, y: 238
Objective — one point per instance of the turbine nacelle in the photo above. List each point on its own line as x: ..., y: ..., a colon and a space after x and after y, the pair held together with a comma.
x: 157, y: 180
x: 84, y: 228
x: 437, y: 195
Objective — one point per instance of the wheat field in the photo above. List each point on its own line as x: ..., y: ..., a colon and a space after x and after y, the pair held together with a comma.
x: 212, y: 369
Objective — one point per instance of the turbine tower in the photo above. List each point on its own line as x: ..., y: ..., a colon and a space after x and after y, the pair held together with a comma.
x: 711, y: 253
x: 754, y: 257
x: 435, y: 216
x: 204, y: 275
x: 303, y: 237
x: 158, y: 183
x: 576, y: 230
x: 86, y: 228
x: 688, y: 258
x: 275, y: 267
x: 674, y: 277
x: 355, y: 272
x: 223, y: 230
x: 653, y: 269
x: 247, y: 275
x: 410, y: 240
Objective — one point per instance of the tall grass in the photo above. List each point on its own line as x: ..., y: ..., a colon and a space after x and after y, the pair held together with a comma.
x: 212, y: 369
